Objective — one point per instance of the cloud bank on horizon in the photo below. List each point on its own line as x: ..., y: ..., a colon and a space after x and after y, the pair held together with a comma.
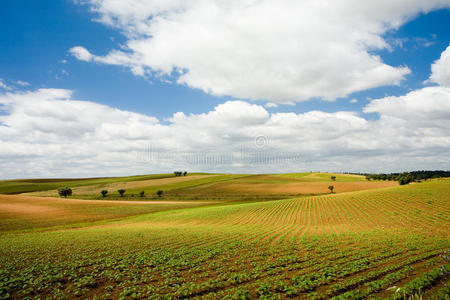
x: 279, y: 51
x: 60, y: 135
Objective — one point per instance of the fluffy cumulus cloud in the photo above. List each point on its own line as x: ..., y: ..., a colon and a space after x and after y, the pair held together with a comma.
x: 441, y: 69
x: 281, y: 51
x: 48, y: 133
x: 81, y: 53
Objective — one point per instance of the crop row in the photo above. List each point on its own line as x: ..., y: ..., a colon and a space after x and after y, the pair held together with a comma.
x: 160, y: 265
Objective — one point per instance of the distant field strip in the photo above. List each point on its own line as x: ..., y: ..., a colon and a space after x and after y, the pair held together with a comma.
x: 207, y: 187
x: 314, y: 177
x: 127, y: 185
x: 284, y: 185
x: 33, y: 185
x: 27, y: 212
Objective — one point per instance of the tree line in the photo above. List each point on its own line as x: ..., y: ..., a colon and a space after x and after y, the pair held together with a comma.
x: 66, y: 191
x: 407, y: 177
x: 179, y: 173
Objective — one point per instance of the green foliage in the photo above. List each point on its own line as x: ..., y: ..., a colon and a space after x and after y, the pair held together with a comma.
x: 64, y: 191
x: 407, y: 177
x: 331, y: 188
x: 190, y: 262
x: 141, y: 194
x: 121, y: 192
x: 104, y: 193
x: 159, y: 193
x: 426, y: 280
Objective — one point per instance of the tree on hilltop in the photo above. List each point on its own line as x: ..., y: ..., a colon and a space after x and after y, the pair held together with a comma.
x: 64, y: 191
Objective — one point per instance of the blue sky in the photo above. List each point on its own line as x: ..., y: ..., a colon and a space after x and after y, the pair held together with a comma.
x: 36, y: 38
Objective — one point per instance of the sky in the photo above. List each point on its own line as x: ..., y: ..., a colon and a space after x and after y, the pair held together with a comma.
x: 115, y: 87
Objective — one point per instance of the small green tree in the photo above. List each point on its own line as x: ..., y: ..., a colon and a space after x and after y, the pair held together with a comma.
x: 64, y: 191
x: 142, y: 194
x: 159, y: 193
x: 104, y: 192
x: 333, y: 178
x: 185, y: 173
x: 405, y: 178
x: 121, y: 192
x: 331, y: 188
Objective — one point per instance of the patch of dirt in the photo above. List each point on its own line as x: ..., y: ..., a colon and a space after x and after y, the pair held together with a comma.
x: 297, y: 188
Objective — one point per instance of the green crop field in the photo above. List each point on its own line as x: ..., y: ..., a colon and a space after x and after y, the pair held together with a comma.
x: 33, y: 185
x: 376, y: 241
x: 211, y: 187
x: 314, y: 177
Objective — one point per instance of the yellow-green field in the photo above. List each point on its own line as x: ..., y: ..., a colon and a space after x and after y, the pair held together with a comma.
x: 372, y: 241
x: 19, y: 212
x: 224, y: 187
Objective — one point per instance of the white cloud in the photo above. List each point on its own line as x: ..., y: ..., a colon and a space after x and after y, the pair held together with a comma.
x: 271, y: 105
x: 430, y: 104
x: 22, y: 83
x: 48, y: 133
x: 440, y: 69
x: 113, y: 58
x: 354, y: 101
x: 81, y: 53
x: 280, y: 51
x: 4, y: 86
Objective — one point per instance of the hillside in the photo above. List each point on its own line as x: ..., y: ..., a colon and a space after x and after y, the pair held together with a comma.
x: 354, y: 244
x: 197, y: 186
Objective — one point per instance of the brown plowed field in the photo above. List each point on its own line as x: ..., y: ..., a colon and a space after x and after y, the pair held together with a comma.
x: 22, y: 212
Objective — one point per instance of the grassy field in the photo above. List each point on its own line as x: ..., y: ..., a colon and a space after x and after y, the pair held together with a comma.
x: 19, y: 212
x: 273, y: 185
x: 355, y: 245
x: 134, y: 187
x: 225, y: 187
x: 324, y: 177
x: 32, y: 185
